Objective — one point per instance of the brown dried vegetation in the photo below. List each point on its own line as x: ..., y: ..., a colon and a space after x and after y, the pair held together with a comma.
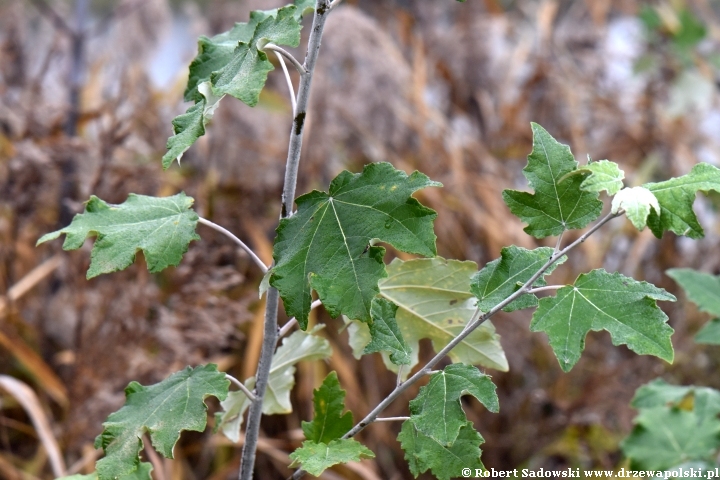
x: 442, y: 87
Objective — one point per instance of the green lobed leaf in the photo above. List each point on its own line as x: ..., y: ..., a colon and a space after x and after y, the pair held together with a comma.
x: 503, y: 276
x: 637, y: 203
x: 161, y: 411
x: 315, y: 457
x: 556, y: 206
x: 385, y: 333
x: 190, y: 126
x: 437, y: 411
x: 330, y: 422
x: 423, y: 453
x: 161, y: 227
x: 326, y: 245
x: 676, y: 197
x: 709, y: 334
x: 434, y: 301
x: 613, y: 302
x: 324, y: 446
x: 245, y: 74
x: 658, y: 393
x: 300, y: 346
x: 142, y: 473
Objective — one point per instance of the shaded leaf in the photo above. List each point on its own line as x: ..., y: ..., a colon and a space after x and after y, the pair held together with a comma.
x: 637, y: 203
x: 502, y: 277
x: 701, y: 288
x: 325, y: 246
x: 555, y: 206
x: 299, y: 346
x: 423, y: 453
x: 330, y: 422
x: 161, y: 411
x: 437, y: 411
x: 315, y: 457
x: 709, y: 334
x: 434, y: 301
x: 676, y: 197
x: 385, y: 333
x: 658, y: 393
x: 161, y: 227
x: 600, y: 300
x: 142, y: 473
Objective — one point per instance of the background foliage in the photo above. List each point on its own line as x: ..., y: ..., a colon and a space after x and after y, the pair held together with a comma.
x: 446, y: 88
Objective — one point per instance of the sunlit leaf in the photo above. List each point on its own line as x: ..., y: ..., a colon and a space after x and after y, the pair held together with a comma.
x: 637, y: 203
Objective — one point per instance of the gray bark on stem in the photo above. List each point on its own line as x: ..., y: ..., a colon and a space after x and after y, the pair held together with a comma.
x: 322, y: 8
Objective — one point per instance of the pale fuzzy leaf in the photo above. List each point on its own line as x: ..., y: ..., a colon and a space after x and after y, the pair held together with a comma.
x: 385, y: 334
x: 299, y: 346
x: 604, y: 175
x: 676, y: 197
x: 600, y: 300
x: 637, y: 203
x: 434, y: 300
x: 315, y: 457
x: 437, y: 411
x: 161, y: 227
x: 161, y: 411
x: 423, y: 453
x: 502, y: 277
x: 325, y: 246
x: 556, y: 206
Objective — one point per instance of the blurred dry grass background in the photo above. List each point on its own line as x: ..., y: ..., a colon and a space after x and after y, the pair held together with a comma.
x: 438, y: 86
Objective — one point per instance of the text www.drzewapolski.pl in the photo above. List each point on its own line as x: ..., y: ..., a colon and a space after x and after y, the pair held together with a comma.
x: 680, y: 472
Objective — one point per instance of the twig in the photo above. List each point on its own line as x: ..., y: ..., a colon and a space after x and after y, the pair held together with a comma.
x: 293, y: 101
x: 391, y: 419
x: 293, y: 321
x: 281, y: 51
x: 335, y: 3
x: 270, y: 335
x: 241, y: 386
x: 559, y: 242
x: 235, y: 239
x: 544, y: 289
x: 372, y: 416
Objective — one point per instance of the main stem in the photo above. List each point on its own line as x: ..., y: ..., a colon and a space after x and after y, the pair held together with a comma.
x: 477, y: 319
x: 288, y: 198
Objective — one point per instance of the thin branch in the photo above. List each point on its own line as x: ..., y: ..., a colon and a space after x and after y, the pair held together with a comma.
x: 235, y: 239
x: 372, y: 416
x: 391, y: 419
x: 290, y: 324
x: 288, y: 55
x: 293, y: 101
x: 241, y: 386
x: 270, y: 334
x: 335, y: 3
x: 545, y: 289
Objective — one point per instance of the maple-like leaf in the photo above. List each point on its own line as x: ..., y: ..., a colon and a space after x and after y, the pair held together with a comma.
x: 434, y: 301
x: 676, y: 197
x: 556, y: 206
x: 161, y: 227
x: 161, y: 411
x: 600, y: 300
x: 598, y: 176
x: 424, y: 453
x: 326, y: 245
x: 503, y: 276
x: 316, y: 457
x: 385, y: 333
x: 437, y: 411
